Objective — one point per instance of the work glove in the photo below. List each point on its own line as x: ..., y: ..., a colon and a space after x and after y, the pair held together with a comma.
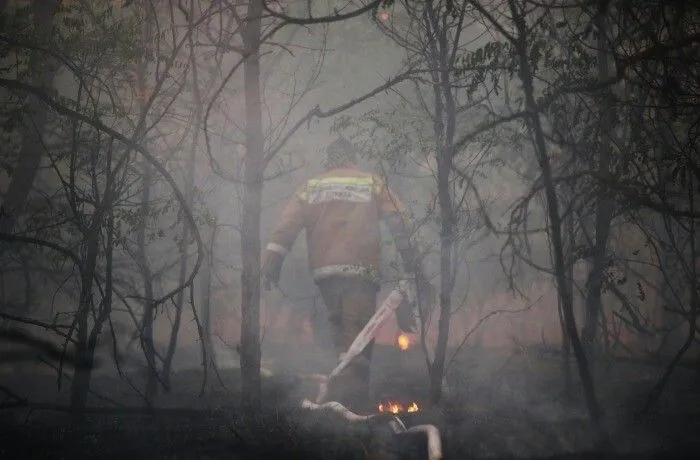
x: 271, y: 269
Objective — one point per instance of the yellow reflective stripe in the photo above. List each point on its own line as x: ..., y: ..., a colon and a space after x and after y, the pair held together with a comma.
x: 342, y: 180
x: 378, y: 186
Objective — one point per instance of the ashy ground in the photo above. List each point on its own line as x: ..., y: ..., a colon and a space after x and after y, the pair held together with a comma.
x: 499, y: 404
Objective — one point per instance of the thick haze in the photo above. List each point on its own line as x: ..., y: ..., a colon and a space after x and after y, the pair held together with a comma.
x: 194, y: 118
x: 327, y: 66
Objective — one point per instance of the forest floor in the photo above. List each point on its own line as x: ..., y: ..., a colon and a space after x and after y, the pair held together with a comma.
x: 498, y: 404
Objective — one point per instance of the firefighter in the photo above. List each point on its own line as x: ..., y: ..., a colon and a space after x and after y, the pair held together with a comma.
x: 341, y: 211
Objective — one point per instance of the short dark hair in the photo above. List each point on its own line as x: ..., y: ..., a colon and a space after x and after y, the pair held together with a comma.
x: 339, y: 153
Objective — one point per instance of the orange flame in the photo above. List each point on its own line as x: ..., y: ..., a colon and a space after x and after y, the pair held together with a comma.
x: 403, y: 341
x: 395, y: 407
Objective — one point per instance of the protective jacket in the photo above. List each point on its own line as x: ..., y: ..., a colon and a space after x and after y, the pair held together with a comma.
x: 341, y: 211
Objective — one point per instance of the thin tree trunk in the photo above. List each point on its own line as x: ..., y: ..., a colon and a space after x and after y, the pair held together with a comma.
x: 189, y: 190
x: 32, y: 150
x: 179, y: 302
x: 692, y: 317
x: 446, y: 284
x: 253, y: 168
x: 444, y: 126
x: 604, y: 211
x: 206, y: 298
x: 209, y: 256
x: 669, y: 287
x: 184, y: 255
x: 80, y: 385
x: 526, y: 76
x: 88, y: 339
x: 147, y: 341
x: 566, y: 340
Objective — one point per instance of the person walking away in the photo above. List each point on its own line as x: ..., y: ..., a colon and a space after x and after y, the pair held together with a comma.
x: 341, y: 211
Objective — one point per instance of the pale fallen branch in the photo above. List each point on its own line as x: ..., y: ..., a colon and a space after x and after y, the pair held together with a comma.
x: 337, y: 408
x: 434, y: 441
x: 397, y: 426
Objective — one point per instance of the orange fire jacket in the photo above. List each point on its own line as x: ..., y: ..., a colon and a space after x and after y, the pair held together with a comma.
x: 341, y: 211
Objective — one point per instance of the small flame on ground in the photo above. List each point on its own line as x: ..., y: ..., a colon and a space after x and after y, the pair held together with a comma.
x: 396, y: 408
x: 383, y: 16
x: 403, y: 341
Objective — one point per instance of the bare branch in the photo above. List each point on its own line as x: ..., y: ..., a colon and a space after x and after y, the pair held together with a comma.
x: 97, y: 124
x: 322, y: 19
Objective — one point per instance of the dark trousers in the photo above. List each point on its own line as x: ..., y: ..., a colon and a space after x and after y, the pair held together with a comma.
x: 351, y: 302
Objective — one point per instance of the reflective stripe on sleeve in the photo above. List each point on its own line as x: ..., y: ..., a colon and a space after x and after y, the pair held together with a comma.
x: 278, y: 248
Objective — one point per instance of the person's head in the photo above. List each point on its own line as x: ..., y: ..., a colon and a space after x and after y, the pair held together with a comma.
x: 340, y: 154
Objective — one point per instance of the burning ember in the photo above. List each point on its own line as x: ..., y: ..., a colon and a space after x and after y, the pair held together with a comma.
x: 396, y: 408
x: 404, y: 342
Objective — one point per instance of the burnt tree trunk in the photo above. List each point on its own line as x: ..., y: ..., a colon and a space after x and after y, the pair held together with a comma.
x: 253, y: 168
